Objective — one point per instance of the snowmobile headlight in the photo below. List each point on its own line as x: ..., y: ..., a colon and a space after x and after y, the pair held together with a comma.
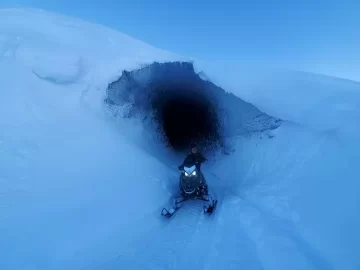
x: 193, y: 173
x: 186, y: 174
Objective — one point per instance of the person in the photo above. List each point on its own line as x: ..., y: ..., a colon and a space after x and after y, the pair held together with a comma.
x: 193, y: 157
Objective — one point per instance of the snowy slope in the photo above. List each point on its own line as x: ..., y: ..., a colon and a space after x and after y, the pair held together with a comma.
x: 64, y: 180
x: 71, y: 181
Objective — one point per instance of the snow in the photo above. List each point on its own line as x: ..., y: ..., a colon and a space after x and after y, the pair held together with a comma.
x: 77, y: 193
x: 316, y: 101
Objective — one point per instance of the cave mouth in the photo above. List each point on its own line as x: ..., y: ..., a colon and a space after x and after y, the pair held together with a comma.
x: 186, y: 116
x: 173, y: 101
x: 178, y: 107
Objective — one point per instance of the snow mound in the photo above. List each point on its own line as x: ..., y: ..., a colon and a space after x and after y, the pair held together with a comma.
x: 54, y: 66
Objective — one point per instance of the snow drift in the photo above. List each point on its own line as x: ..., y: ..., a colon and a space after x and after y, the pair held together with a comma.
x: 82, y: 189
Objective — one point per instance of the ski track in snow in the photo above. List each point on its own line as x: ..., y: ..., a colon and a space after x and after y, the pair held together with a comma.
x: 281, y: 236
x: 189, y: 240
x: 192, y: 240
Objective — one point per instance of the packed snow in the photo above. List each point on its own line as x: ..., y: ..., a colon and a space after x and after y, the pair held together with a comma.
x: 79, y: 191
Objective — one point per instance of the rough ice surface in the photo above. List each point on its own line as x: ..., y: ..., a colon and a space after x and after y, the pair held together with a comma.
x: 82, y: 189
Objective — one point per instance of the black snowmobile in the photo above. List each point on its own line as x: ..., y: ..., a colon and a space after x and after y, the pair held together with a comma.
x: 192, y: 185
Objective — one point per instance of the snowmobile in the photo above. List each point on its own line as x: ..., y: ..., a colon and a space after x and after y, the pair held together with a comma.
x: 192, y: 186
x: 192, y: 183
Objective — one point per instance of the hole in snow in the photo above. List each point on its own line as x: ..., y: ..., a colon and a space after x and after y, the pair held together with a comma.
x: 186, y: 114
x: 184, y: 107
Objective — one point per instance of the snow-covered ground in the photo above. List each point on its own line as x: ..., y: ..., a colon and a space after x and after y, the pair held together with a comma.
x: 77, y: 193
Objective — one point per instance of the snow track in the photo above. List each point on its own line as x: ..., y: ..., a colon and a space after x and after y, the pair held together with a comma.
x: 192, y: 240
x: 268, y: 232
x: 189, y: 240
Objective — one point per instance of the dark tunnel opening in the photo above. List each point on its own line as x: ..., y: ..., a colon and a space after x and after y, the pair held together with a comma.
x: 175, y: 102
x: 186, y: 116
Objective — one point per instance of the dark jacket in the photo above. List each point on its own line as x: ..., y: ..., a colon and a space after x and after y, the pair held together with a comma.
x: 193, y: 159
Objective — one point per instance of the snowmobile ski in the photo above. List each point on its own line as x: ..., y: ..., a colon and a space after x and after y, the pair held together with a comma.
x: 210, y: 208
x: 176, y: 206
x: 170, y: 212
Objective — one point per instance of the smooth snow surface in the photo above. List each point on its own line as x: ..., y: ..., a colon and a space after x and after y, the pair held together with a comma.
x: 76, y: 193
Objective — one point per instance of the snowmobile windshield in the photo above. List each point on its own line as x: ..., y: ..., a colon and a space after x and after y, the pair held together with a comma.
x: 190, y: 171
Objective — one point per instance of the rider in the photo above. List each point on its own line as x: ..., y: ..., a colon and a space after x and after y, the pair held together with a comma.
x: 194, y: 157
